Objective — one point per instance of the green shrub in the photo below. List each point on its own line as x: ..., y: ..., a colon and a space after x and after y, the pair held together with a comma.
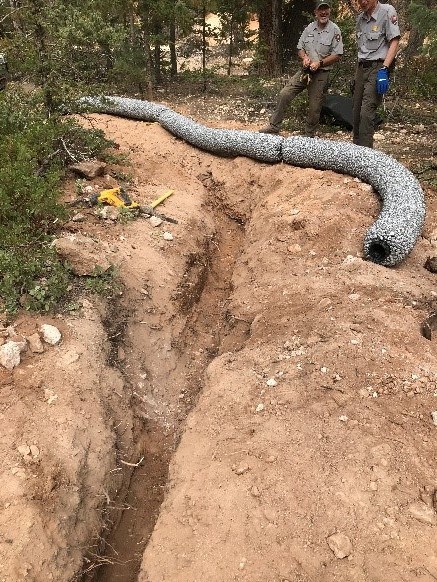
x: 31, y: 276
x: 34, y: 151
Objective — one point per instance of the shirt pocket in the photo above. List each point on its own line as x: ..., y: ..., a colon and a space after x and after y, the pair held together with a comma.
x: 324, y: 48
x: 374, y: 40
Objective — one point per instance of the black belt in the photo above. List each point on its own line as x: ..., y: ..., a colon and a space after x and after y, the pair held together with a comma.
x: 367, y: 64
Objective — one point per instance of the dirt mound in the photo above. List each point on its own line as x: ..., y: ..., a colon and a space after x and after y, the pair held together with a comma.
x: 308, y: 449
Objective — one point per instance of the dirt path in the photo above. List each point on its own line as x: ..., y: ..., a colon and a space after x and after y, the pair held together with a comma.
x: 308, y: 450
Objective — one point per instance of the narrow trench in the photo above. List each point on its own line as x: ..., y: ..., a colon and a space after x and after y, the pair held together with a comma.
x: 208, y: 329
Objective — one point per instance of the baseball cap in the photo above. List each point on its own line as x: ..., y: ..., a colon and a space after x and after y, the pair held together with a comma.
x: 320, y: 4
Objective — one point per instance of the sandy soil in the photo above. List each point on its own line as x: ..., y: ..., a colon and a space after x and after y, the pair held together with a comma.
x: 256, y: 404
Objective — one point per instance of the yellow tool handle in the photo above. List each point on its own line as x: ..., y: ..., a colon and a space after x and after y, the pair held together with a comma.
x: 166, y: 194
x: 116, y: 197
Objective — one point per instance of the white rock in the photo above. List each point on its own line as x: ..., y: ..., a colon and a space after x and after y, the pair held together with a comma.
x: 423, y: 513
x: 24, y: 450
x: 155, y: 221
x: 167, y: 236
x: 50, y: 334
x: 242, y: 468
x: 434, y: 417
x: 271, y: 382
x: 10, y: 355
x: 79, y: 217
x: 340, y: 544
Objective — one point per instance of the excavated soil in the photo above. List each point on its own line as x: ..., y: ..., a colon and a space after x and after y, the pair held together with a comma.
x: 255, y: 404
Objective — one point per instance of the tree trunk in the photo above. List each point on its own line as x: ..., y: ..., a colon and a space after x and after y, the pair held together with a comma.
x: 415, y: 43
x: 270, y: 16
x: 294, y: 21
x: 231, y: 44
x: 157, y: 56
x: 204, y: 47
x: 172, y: 44
x: 131, y: 17
x: 148, y: 66
x: 417, y: 34
x: 14, y: 15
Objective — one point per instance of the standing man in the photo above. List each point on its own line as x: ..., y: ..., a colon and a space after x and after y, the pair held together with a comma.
x: 378, y: 36
x: 319, y: 47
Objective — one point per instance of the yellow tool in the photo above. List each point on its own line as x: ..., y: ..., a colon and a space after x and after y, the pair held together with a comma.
x: 166, y: 194
x: 117, y: 197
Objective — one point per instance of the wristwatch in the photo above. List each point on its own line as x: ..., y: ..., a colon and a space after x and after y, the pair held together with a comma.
x: 320, y: 63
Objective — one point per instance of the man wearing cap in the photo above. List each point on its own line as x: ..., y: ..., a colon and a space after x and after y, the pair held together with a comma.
x: 378, y: 34
x: 319, y: 47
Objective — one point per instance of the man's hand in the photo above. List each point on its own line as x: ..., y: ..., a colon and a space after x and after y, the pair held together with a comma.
x: 314, y: 66
x: 382, y: 81
x: 306, y: 62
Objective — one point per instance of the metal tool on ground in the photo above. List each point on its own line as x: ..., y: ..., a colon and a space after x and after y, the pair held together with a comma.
x: 118, y: 198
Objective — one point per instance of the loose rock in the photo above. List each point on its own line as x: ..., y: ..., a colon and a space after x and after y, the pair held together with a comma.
x: 35, y: 344
x: 51, y: 334
x: 423, y: 513
x: 10, y: 355
x: 340, y: 544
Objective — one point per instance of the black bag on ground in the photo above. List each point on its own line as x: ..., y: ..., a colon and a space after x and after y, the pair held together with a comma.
x: 339, y: 108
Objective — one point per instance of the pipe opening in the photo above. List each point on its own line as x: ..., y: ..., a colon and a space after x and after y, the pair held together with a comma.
x: 378, y: 252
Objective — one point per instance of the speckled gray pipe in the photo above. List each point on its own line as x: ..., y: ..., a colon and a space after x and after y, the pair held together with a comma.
x: 387, y: 242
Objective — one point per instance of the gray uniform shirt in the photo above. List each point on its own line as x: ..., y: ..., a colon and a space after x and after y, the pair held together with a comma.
x: 375, y: 33
x: 318, y: 43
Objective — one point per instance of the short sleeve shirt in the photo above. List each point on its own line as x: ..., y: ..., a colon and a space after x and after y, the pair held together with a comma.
x: 375, y: 33
x: 318, y: 43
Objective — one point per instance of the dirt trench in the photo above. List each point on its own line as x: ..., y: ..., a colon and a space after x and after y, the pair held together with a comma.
x: 294, y: 356
x: 268, y: 394
x: 209, y: 329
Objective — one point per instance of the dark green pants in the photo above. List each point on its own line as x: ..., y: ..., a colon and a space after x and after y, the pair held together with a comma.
x: 316, y: 88
x: 366, y: 102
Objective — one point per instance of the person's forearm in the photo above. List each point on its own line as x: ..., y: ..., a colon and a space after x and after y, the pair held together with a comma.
x: 330, y: 60
x: 392, y: 50
x: 304, y: 58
